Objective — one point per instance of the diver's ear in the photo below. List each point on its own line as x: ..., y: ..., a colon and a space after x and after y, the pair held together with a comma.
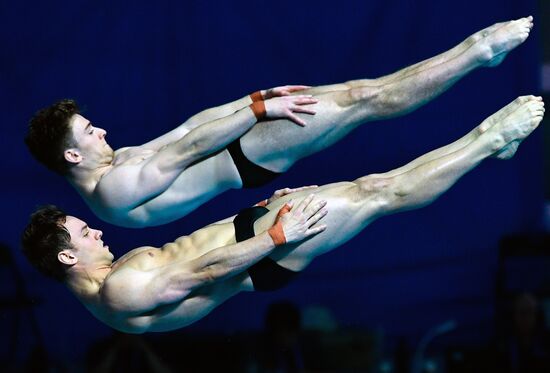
x: 72, y: 155
x: 67, y: 257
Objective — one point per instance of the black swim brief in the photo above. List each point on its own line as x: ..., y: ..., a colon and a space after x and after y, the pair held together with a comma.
x: 266, y: 274
x: 252, y: 175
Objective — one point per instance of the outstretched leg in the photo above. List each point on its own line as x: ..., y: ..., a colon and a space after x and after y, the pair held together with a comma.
x: 353, y: 205
x: 460, y: 143
x: 276, y: 145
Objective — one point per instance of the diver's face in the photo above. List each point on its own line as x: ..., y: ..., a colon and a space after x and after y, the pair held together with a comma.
x: 89, y: 139
x: 87, y: 243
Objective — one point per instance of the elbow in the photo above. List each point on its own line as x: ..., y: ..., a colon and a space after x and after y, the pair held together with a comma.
x: 213, y: 273
x: 201, y: 148
x: 187, y: 154
x: 136, y: 325
x: 209, y: 275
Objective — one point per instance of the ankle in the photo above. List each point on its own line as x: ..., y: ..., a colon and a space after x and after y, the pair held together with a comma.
x: 481, y: 52
x: 493, y: 142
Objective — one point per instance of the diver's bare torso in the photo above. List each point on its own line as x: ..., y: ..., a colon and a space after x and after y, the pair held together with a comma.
x: 194, y: 186
x: 130, y: 275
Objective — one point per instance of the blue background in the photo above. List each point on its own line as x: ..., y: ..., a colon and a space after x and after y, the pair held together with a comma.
x: 139, y: 69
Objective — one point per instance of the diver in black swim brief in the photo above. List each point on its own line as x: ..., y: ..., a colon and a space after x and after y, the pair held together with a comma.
x: 251, y: 174
x: 266, y: 275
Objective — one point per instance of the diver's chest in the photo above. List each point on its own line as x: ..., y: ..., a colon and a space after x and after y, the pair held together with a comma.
x: 143, y: 259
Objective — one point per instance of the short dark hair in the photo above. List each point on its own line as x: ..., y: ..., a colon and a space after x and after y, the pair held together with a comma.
x: 43, y: 238
x: 49, y: 134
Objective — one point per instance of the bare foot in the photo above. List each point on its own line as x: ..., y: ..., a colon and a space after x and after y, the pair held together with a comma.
x: 496, y: 41
x: 511, y: 130
x: 502, y: 113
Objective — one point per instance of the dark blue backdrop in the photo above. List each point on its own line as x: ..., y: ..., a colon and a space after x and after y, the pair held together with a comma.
x: 140, y: 69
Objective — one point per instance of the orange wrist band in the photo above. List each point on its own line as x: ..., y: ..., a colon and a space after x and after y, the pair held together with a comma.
x: 258, y: 108
x: 256, y: 96
x: 262, y: 203
x: 277, y: 235
x: 276, y: 231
